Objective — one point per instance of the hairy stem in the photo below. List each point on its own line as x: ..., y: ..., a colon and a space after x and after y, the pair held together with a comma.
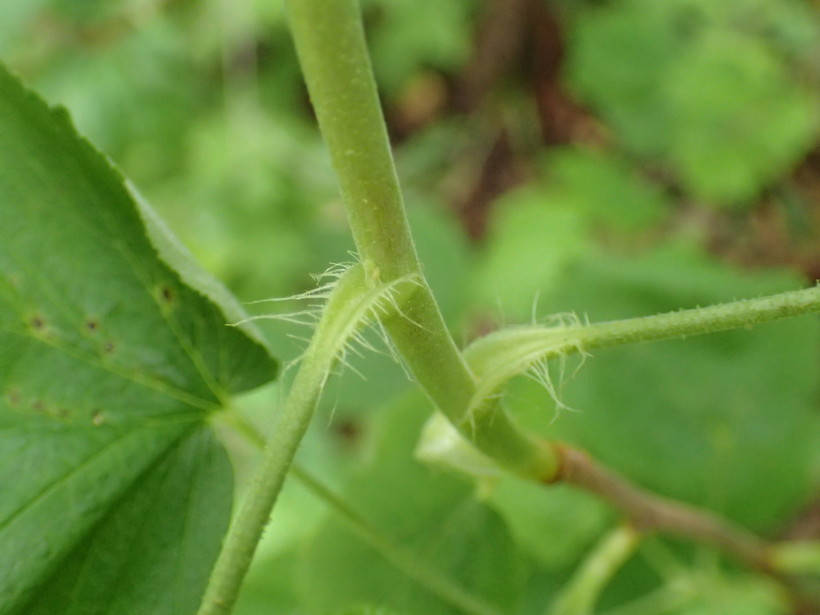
x: 350, y: 304
x: 503, y: 354
x: 330, y: 43
x: 246, y: 530
x: 697, y: 321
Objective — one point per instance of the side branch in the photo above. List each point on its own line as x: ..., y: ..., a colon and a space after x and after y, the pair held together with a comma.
x: 648, y: 512
x: 697, y: 321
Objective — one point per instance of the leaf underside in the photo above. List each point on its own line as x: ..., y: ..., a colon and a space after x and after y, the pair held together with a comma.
x: 113, y: 352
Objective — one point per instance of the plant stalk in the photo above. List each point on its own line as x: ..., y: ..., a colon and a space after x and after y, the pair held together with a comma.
x: 744, y: 313
x: 350, y: 304
x: 582, y: 591
x: 246, y: 531
x: 403, y: 559
x: 330, y: 42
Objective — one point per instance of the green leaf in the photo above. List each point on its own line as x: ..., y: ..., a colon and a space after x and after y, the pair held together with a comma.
x: 531, y: 242
x: 618, y: 56
x: 271, y: 580
x: 604, y: 187
x: 14, y: 17
x: 738, y: 119
x: 414, y: 34
x: 741, y: 595
x: 555, y: 525
x: 365, y: 610
x: 113, y: 353
x: 182, y: 499
x: 702, y: 86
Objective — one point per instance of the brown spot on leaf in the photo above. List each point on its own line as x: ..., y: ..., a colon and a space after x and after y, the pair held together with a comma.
x: 62, y: 413
x: 166, y: 293
x: 13, y: 397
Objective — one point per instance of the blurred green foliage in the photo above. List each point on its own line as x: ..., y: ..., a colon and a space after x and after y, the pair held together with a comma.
x: 687, y: 123
x: 715, y: 90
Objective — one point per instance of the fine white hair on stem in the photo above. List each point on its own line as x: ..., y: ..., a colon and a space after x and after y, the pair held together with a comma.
x: 386, y: 304
x: 526, y: 350
x: 540, y: 371
x: 310, y: 315
x: 562, y: 320
x: 366, y: 310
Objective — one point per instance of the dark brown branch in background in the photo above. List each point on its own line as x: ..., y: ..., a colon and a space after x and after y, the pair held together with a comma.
x: 499, y: 42
x: 519, y: 42
x: 500, y: 171
x: 497, y: 48
x: 781, y: 230
x: 561, y: 119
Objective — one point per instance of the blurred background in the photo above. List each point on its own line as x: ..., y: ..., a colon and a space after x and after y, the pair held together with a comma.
x: 606, y: 158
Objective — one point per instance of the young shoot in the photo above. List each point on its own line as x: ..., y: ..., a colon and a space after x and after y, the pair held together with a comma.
x: 354, y: 300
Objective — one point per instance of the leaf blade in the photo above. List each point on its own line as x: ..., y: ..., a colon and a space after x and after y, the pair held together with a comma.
x: 113, y: 352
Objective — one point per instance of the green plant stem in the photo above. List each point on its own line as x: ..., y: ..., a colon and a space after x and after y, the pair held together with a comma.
x: 744, y: 313
x: 330, y: 43
x: 696, y: 321
x: 503, y: 354
x: 670, y: 598
x: 350, y: 304
x: 246, y: 530
x: 582, y: 591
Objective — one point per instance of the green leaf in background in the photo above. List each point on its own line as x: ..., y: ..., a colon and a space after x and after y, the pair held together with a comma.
x: 364, y: 610
x: 734, y: 595
x: 618, y: 54
x: 113, y: 353
x: 538, y: 230
x: 14, y: 16
x: 726, y: 421
x: 738, y: 120
x: 555, y: 525
x: 415, y: 34
x: 434, y: 514
x: 532, y: 240
x: 701, y: 86
x: 604, y: 188
x: 134, y: 99
x: 271, y: 581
